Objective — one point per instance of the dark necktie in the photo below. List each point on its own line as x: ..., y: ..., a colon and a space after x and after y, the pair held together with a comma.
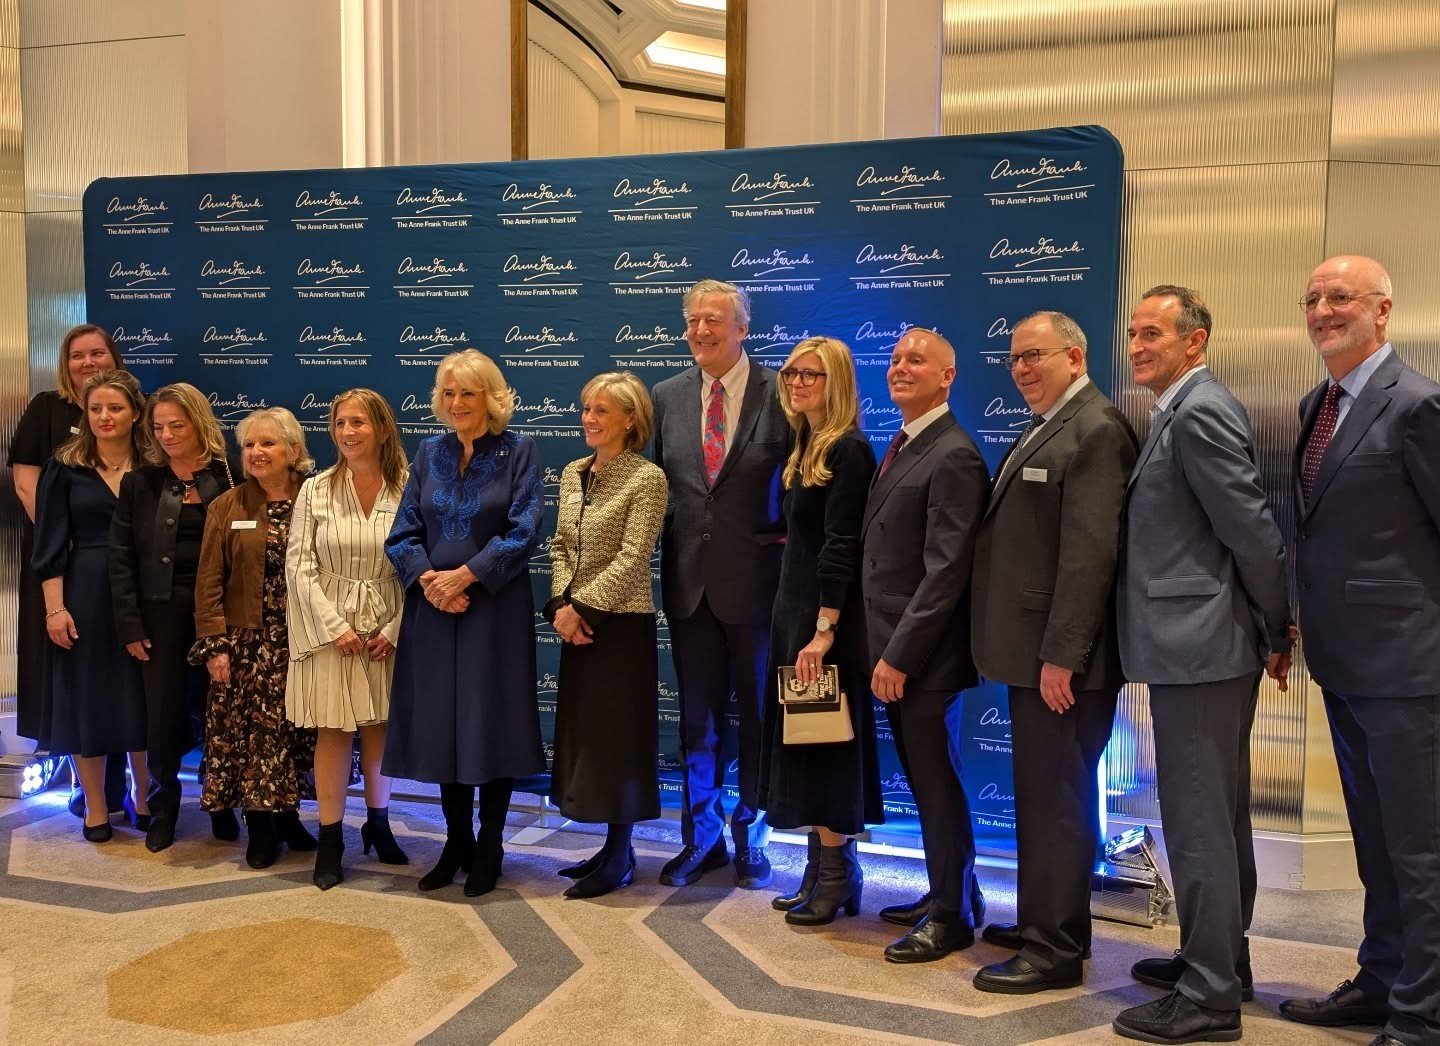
x: 1319, y: 441
x: 896, y: 442
x: 715, y: 432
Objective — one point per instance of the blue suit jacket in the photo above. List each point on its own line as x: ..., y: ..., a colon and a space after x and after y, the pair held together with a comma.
x: 1368, y: 546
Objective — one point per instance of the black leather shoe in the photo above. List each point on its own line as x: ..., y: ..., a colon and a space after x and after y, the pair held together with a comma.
x: 692, y: 862
x: 601, y: 881
x: 160, y: 835
x: 1385, y: 1040
x: 1007, y: 935
x: 752, y: 868
x: 931, y: 940
x: 1166, y: 973
x: 97, y: 833
x: 585, y: 867
x: 1016, y: 976
x: 1173, y: 1018
x: 912, y: 914
x: 1347, y: 1004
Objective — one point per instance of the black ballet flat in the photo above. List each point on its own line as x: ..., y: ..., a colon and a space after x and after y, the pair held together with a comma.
x: 97, y: 833
x: 598, y: 884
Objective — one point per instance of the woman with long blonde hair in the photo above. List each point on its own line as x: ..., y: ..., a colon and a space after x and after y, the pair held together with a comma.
x: 344, y: 619
x: 819, y: 620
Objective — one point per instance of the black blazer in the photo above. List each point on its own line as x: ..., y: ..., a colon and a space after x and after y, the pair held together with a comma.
x: 1047, y: 550
x: 723, y: 542
x: 142, y: 538
x: 919, y: 545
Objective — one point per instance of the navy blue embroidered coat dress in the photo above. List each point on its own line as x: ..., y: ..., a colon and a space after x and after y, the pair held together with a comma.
x: 462, y: 705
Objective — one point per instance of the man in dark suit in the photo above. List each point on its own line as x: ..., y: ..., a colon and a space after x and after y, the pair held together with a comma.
x: 721, y: 438
x: 1367, y: 558
x: 919, y: 541
x: 1204, y: 607
x: 1043, y: 595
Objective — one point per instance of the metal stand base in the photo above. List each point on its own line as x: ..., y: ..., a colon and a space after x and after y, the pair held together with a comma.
x: 1128, y: 886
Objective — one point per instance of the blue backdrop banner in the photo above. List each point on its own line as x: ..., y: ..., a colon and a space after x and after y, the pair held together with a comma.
x: 284, y: 288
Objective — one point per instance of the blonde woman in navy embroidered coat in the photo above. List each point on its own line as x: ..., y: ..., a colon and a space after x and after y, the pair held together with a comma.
x: 607, y: 738
x: 463, y: 710
x: 344, y: 619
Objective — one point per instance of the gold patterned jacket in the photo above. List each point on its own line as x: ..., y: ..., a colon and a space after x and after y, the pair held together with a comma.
x: 605, y: 536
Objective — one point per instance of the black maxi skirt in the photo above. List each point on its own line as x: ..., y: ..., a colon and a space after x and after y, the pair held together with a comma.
x: 607, y: 725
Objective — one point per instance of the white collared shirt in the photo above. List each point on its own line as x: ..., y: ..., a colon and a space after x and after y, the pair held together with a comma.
x: 733, y: 381
x: 924, y: 421
x: 1163, y: 401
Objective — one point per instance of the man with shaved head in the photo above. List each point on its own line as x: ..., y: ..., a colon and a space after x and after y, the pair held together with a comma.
x: 919, y: 540
x: 1367, y: 467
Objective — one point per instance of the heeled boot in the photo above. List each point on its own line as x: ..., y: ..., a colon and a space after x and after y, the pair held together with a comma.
x: 838, y: 886
x: 457, y: 803
x: 489, y: 842
x: 261, y: 848
x: 616, y: 867
x: 292, y: 832
x: 327, y: 856
x: 224, y: 825
x: 375, y: 832
x: 807, y: 881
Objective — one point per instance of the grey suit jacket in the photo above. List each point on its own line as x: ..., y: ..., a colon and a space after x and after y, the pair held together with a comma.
x: 1368, y: 547
x: 1044, y: 582
x: 1204, y: 593
x: 722, y: 542
x: 918, y: 548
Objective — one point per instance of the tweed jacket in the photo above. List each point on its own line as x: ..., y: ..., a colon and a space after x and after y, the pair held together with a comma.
x: 605, y: 536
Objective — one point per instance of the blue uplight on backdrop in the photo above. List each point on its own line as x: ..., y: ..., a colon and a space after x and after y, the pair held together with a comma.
x: 284, y: 288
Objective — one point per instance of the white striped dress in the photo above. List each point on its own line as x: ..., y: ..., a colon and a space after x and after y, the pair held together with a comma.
x: 339, y: 578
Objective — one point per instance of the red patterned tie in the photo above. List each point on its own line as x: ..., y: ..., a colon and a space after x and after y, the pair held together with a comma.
x: 1320, y: 437
x: 715, y: 432
x: 895, y: 444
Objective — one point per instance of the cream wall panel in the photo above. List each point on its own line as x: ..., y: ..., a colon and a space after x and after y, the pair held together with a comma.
x: 46, y: 23
x: 663, y: 133
x: 14, y: 394
x: 1392, y: 212
x: 112, y: 109
x: 564, y: 112
x: 12, y: 158
x: 55, y: 271
x: 1188, y: 83
x: 9, y: 23
x: 1387, y: 81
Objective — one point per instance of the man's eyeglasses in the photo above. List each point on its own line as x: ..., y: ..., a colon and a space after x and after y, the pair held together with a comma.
x: 806, y: 378
x: 1336, y: 301
x: 1030, y: 357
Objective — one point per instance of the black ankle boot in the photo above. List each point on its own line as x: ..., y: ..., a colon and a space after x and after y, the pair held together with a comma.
x: 224, y: 825
x: 457, y: 803
x: 292, y: 833
x: 327, y: 856
x: 616, y: 867
x: 489, y: 848
x: 262, y: 847
x: 838, y: 886
x: 375, y: 832
x: 807, y: 881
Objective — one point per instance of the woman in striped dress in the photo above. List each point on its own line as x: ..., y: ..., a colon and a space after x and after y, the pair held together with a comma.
x: 344, y: 619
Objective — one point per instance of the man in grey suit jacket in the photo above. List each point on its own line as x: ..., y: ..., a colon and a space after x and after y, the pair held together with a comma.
x: 918, y: 546
x: 1203, y: 608
x: 721, y: 438
x: 1368, y: 566
x: 1043, y: 596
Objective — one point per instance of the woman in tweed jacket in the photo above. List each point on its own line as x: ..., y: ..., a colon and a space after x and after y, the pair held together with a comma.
x: 612, y: 505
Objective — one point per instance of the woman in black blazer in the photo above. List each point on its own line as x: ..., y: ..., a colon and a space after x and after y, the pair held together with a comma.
x: 154, y: 548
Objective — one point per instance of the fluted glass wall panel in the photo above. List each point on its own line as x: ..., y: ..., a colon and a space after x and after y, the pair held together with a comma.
x: 54, y: 261
x: 665, y: 133
x: 100, y: 110
x: 14, y: 394
x: 564, y: 114
x: 48, y: 23
x: 1387, y: 81
x: 12, y: 160
x: 1191, y: 83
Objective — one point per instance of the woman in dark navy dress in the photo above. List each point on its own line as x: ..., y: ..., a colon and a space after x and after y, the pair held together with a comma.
x: 833, y: 787
x: 462, y: 705
x: 97, y: 701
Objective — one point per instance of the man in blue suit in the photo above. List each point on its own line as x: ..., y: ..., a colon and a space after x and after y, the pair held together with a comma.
x: 1367, y: 468
x: 1203, y: 608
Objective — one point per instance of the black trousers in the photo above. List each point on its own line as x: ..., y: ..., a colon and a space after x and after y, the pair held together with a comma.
x: 1057, y: 819
x: 946, y: 827
x: 174, y: 696
x: 1390, y: 772
x: 714, y: 662
x: 1202, y: 760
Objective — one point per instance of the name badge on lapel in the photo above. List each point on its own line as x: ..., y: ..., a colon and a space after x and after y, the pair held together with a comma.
x: 1034, y: 475
x: 573, y: 499
x: 243, y: 524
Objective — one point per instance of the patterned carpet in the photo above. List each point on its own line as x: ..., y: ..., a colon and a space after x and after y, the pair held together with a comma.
x: 111, y: 944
